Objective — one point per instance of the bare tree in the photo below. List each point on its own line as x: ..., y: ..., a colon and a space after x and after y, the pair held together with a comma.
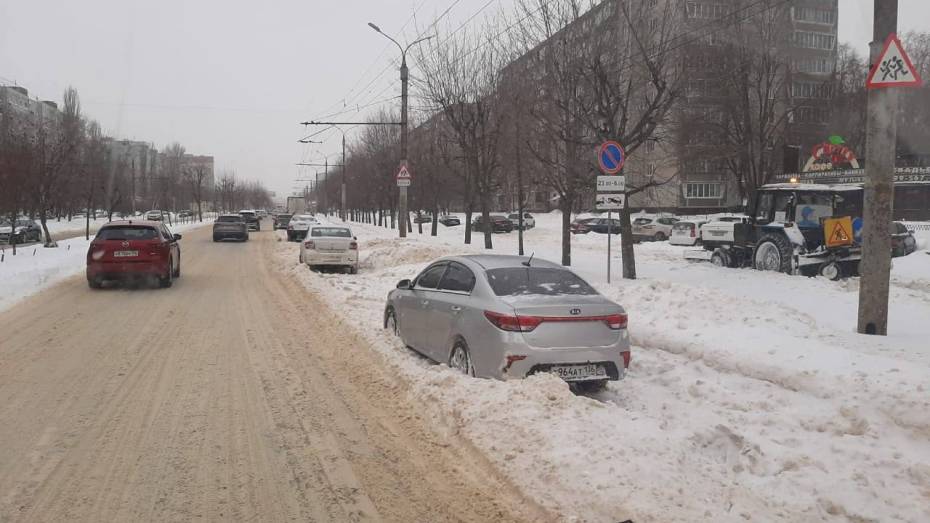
x: 460, y: 77
x: 195, y: 177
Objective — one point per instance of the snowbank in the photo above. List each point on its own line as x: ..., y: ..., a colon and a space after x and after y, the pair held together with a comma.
x: 35, y: 267
x: 750, y: 395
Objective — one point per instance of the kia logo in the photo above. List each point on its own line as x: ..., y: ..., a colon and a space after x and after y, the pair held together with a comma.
x: 575, y: 312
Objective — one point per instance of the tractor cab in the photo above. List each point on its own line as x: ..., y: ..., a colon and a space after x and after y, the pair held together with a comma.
x: 805, y: 207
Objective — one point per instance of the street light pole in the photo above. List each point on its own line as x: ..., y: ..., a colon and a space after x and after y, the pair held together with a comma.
x: 402, y: 203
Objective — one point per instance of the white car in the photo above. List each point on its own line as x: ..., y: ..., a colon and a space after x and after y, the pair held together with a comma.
x: 330, y: 246
x: 686, y: 232
x: 299, y: 225
x: 155, y: 216
x: 528, y: 221
x: 652, y: 228
x: 721, y: 230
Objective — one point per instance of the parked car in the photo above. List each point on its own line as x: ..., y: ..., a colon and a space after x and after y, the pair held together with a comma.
x: 686, y: 232
x: 281, y: 221
x: 449, y: 220
x: 185, y: 214
x: 654, y: 229
x: 155, y: 216
x: 496, y: 316
x: 251, y: 219
x: 528, y: 221
x: 229, y: 226
x: 332, y: 247
x: 23, y: 231
x: 299, y: 225
x: 498, y: 223
x: 604, y: 226
x: 423, y: 218
x: 581, y: 225
x: 133, y: 249
x: 902, y: 240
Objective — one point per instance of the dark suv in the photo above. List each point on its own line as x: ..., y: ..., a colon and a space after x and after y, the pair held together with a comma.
x: 498, y: 224
x: 281, y: 221
x: 251, y: 220
x: 230, y: 226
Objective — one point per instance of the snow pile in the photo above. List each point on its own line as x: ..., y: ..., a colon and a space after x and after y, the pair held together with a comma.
x: 26, y: 273
x: 750, y: 395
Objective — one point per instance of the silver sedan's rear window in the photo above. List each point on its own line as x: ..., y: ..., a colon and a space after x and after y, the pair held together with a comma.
x: 518, y: 281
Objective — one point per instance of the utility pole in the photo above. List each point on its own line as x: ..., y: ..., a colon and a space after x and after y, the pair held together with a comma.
x: 402, y: 203
x: 342, y: 209
x: 881, y: 142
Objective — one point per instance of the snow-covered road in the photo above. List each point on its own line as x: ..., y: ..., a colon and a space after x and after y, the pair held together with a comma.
x: 750, y: 395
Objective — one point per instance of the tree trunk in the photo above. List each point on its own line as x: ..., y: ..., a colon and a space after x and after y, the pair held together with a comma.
x: 626, y: 243
x: 486, y: 221
x: 43, y: 219
x: 565, y: 205
x: 435, y: 225
x: 468, y: 213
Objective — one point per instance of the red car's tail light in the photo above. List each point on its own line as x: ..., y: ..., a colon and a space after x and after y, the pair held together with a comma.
x: 692, y: 231
x: 309, y: 244
x: 353, y: 246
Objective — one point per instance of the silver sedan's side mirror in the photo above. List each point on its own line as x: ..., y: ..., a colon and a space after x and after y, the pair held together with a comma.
x: 404, y: 284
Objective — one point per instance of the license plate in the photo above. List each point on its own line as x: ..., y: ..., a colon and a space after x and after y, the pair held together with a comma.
x: 125, y: 254
x: 579, y: 372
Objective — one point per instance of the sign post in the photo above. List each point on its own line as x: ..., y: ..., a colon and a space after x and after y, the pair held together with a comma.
x: 610, y: 188
x: 891, y: 69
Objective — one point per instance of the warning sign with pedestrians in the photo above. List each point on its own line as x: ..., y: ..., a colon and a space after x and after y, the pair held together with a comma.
x: 838, y: 231
x: 403, y: 176
x: 893, y: 67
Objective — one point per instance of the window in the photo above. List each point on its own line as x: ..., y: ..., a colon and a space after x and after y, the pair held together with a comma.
x: 810, y: 90
x: 229, y: 219
x: 810, y: 115
x: 429, y: 279
x: 815, y: 66
x: 812, y: 40
x: 706, y: 11
x: 519, y: 281
x: 703, y: 190
x: 331, y: 232
x: 814, y: 15
x: 127, y: 233
x: 458, y: 278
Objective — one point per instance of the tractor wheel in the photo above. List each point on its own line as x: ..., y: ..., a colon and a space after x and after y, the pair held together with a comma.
x: 773, y: 253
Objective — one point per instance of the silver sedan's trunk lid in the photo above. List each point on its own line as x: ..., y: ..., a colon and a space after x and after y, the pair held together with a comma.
x: 567, y: 321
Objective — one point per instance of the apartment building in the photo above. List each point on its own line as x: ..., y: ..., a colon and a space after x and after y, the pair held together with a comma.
x: 19, y: 112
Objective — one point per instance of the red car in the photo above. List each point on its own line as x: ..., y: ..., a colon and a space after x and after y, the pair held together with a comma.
x: 133, y: 249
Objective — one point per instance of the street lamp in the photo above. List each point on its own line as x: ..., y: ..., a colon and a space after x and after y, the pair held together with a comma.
x: 403, y: 120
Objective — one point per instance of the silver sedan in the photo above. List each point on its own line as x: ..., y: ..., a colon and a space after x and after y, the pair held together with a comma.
x: 509, y: 316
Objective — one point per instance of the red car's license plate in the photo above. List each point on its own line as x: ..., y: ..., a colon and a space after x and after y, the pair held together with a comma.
x: 125, y: 254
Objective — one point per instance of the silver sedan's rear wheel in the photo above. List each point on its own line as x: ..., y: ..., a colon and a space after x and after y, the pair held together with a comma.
x: 460, y: 359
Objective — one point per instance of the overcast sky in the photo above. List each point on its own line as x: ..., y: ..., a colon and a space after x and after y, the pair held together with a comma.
x: 233, y: 79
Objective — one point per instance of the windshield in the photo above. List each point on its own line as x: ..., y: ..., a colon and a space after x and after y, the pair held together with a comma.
x: 332, y: 232
x: 127, y: 232
x: 642, y: 221
x: 519, y: 281
x: 683, y: 226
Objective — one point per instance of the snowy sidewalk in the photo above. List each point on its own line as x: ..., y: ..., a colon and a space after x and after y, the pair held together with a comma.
x: 750, y: 395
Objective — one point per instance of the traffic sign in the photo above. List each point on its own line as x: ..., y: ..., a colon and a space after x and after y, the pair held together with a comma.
x: 839, y: 231
x: 893, y: 67
x: 611, y: 184
x: 403, y: 176
x: 611, y: 157
x: 609, y: 202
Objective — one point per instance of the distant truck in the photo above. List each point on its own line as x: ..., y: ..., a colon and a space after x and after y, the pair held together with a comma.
x: 296, y: 205
x: 808, y: 229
